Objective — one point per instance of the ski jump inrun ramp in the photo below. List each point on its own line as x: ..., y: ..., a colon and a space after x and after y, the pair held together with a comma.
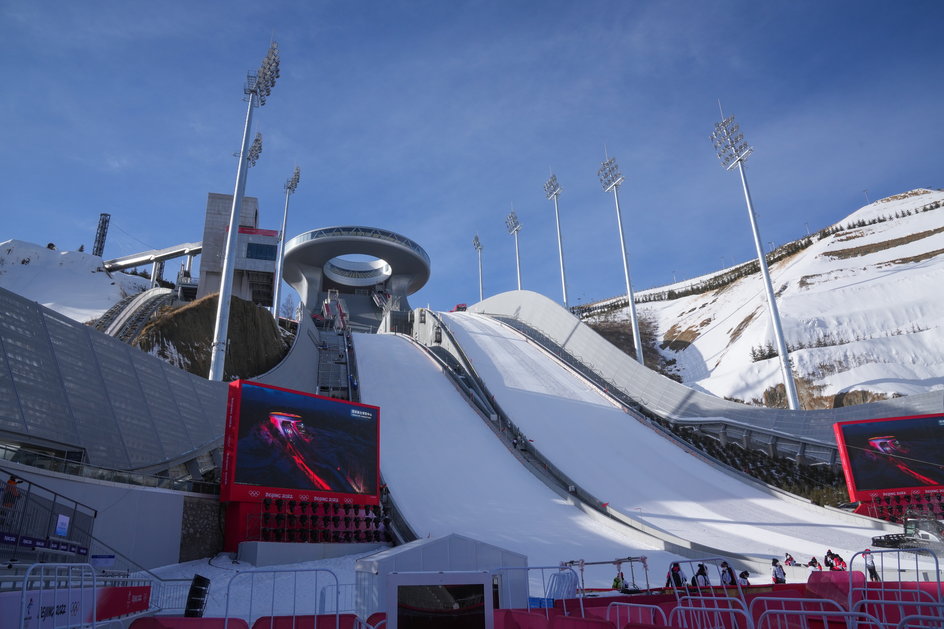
x: 450, y: 473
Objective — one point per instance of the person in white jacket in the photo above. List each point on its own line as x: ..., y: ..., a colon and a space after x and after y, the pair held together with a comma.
x: 870, y: 565
x: 777, y: 574
x: 701, y: 577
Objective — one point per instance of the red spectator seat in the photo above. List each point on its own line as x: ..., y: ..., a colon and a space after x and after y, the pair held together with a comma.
x: 374, y: 619
x: 573, y: 622
x: 324, y: 621
x: 524, y: 619
x: 179, y: 622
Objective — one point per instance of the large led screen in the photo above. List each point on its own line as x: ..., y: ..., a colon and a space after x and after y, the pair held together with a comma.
x: 296, y: 446
x: 887, y: 456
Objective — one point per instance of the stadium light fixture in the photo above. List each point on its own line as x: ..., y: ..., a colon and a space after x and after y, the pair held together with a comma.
x: 610, y: 179
x: 511, y: 222
x: 733, y: 151
x: 552, y: 190
x: 478, y: 249
x: 255, y: 150
x: 257, y: 90
x: 290, y: 186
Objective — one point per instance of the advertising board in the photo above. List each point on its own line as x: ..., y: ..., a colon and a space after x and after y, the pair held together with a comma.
x: 283, y: 444
x: 900, y: 455
x: 70, y: 606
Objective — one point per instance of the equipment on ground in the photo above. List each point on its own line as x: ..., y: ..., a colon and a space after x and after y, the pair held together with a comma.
x: 918, y: 533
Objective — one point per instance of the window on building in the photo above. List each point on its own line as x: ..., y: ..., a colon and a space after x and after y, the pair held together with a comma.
x: 258, y: 251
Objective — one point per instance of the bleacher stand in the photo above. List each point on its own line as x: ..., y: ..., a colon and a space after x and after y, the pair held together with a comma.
x: 895, y: 508
x: 317, y: 522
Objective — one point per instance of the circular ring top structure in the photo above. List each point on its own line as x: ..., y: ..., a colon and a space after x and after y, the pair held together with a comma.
x: 314, y: 261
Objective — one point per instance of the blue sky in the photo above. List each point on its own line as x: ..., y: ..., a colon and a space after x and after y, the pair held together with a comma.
x: 434, y: 118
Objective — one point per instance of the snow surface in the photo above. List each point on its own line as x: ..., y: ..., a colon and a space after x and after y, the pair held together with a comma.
x: 871, y: 321
x: 636, y: 469
x: 72, y: 283
x: 449, y: 473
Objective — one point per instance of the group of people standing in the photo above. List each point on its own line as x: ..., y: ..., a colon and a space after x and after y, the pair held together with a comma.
x: 676, y: 578
x: 832, y: 561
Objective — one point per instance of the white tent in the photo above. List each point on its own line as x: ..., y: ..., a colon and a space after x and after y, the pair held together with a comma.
x: 449, y: 553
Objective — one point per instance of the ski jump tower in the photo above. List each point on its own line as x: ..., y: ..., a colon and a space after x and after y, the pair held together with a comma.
x: 373, y: 270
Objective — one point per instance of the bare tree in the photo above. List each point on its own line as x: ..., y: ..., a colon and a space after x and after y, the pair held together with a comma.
x: 288, y: 307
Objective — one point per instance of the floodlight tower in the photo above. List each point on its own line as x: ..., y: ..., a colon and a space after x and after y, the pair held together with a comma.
x: 733, y: 151
x: 611, y: 179
x: 511, y: 222
x: 100, y: 234
x: 290, y: 186
x: 478, y: 249
x: 257, y: 89
x: 552, y: 190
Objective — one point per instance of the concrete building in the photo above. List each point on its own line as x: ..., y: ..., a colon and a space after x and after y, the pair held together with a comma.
x: 256, y: 251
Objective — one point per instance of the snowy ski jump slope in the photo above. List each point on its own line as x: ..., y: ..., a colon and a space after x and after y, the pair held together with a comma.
x: 448, y: 473
x: 641, y: 473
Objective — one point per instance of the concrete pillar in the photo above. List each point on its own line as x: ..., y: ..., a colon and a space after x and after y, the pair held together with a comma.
x: 398, y: 285
x: 801, y: 455
x: 155, y: 273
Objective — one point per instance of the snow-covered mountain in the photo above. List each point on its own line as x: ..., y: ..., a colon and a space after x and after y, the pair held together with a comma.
x: 860, y: 303
x: 72, y: 283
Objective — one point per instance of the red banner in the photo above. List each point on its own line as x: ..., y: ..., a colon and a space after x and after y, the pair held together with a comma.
x: 120, y: 601
x: 258, y: 232
x: 48, y: 609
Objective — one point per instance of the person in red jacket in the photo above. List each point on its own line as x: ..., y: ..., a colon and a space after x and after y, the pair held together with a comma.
x: 675, y: 578
x: 10, y: 496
